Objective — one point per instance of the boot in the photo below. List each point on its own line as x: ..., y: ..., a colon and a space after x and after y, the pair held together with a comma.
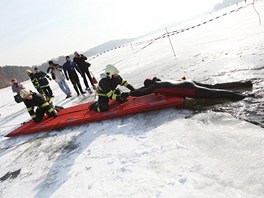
x: 80, y: 87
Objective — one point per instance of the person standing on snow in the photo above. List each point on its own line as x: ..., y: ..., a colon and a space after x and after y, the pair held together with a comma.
x: 32, y: 100
x: 191, y: 89
x: 107, y: 89
x: 16, y: 86
x: 58, y: 75
x: 42, y: 78
x: 80, y: 59
x: 70, y: 68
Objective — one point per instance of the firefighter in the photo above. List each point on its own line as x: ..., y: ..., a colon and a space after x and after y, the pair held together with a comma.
x: 37, y: 106
x: 34, y: 81
x: 42, y: 78
x: 107, y: 89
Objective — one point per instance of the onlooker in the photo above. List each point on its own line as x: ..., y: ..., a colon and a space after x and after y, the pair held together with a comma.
x: 70, y: 68
x: 58, y: 75
x: 16, y: 86
x: 79, y: 59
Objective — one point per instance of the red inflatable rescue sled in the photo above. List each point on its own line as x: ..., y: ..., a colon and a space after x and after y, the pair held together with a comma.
x: 80, y: 114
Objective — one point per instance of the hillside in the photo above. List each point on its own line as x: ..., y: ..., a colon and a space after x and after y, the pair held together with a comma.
x: 8, y: 72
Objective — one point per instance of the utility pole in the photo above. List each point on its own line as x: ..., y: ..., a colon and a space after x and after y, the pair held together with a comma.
x: 170, y: 42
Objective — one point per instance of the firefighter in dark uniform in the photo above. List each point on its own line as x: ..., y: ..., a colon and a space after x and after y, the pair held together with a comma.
x: 33, y: 100
x: 107, y: 89
x: 34, y: 81
x: 42, y: 78
x: 191, y: 89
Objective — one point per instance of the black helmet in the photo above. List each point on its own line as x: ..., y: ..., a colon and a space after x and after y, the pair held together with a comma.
x: 50, y: 62
x: 148, y: 82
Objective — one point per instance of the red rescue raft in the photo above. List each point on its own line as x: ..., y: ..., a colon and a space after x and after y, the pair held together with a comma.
x: 80, y: 114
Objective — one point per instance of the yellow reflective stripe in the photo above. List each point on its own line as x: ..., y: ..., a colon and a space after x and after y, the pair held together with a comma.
x: 33, y: 116
x: 29, y: 108
x: 114, y: 96
x: 98, y: 109
x: 51, y: 109
x: 124, y: 83
x: 44, y: 86
x: 99, y: 88
x: 111, y: 95
x: 44, y: 105
x: 102, y: 94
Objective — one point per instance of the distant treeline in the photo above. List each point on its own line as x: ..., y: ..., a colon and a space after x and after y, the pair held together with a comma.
x: 9, y: 72
x: 225, y: 4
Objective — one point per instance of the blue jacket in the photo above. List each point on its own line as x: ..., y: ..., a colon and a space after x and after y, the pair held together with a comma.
x: 69, y: 68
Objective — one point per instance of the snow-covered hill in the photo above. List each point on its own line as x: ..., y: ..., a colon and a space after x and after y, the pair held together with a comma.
x: 165, y: 153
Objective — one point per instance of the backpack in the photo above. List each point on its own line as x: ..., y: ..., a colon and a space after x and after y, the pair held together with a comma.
x: 18, y: 98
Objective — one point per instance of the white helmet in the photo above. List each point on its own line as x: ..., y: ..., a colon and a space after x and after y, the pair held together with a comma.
x: 24, y: 93
x: 28, y: 71
x: 110, y: 70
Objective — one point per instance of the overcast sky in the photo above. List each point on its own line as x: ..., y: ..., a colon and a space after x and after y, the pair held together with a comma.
x: 34, y: 31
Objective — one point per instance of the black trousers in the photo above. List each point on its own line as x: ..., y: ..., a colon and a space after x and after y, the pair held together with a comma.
x: 102, y: 104
x: 87, y: 72
x: 47, y: 91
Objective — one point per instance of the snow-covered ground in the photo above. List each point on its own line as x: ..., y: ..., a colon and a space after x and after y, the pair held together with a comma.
x: 165, y: 153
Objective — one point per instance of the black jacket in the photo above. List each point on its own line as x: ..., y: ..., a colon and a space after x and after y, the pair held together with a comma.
x: 107, y: 87
x: 41, y: 103
x: 80, y: 61
x: 42, y: 78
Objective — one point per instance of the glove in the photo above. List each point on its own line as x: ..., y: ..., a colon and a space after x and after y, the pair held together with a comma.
x: 121, y: 99
x: 125, y: 95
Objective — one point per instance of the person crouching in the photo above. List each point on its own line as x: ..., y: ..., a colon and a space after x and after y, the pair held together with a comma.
x: 37, y: 105
x: 107, y: 89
